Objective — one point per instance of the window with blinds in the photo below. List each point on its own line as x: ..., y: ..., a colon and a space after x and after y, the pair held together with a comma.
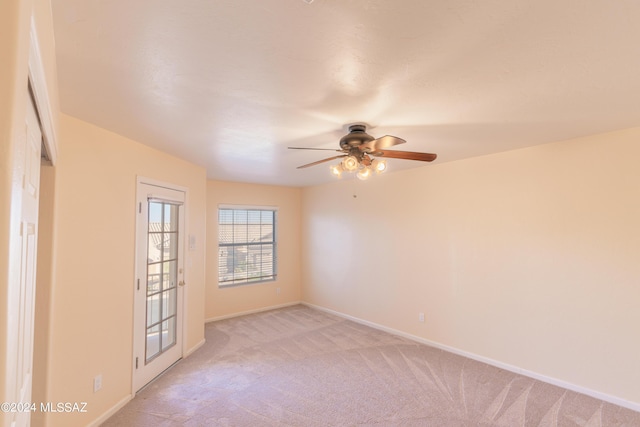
x: 246, y: 246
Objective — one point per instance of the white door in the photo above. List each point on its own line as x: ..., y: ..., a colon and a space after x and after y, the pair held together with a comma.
x: 159, y: 285
x: 22, y: 296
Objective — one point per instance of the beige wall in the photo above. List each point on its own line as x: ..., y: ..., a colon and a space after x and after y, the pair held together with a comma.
x: 94, y: 226
x: 238, y: 299
x: 528, y: 257
x: 42, y: 16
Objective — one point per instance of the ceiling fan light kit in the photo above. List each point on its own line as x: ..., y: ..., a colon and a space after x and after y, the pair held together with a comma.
x: 364, y: 169
x: 358, y: 148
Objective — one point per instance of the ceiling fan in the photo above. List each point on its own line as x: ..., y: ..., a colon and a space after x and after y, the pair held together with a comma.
x: 358, y: 148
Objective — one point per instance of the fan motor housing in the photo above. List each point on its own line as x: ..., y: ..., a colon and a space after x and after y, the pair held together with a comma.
x: 356, y: 137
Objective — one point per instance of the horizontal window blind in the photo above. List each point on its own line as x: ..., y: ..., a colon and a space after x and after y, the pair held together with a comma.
x: 246, y: 246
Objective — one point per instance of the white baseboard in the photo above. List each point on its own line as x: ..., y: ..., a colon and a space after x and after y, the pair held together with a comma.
x: 105, y: 416
x: 194, y: 348
x: 549, y: 380
x: 257, y: 310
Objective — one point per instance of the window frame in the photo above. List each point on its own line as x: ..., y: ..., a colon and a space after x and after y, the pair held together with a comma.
x: 243, y: 281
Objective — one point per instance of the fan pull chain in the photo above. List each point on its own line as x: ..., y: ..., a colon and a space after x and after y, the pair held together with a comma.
x: 354, y: 183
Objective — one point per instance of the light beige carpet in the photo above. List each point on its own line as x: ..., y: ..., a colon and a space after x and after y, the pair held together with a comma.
x: 302, y: 367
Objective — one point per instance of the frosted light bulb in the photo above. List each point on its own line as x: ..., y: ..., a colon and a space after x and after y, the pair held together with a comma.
x: 364, y: 173
x: 350, y: 164
x: 336, y: 170
x: 379, y: 165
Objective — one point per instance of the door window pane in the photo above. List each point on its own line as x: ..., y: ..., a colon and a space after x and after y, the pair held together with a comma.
x: 169, y: 274
x: 169, y: 302
x: 170, y: 217
x: 153, y: 309
x: 172, y: 243
x: 168, y: 333
x: 154, y: 278
x: 155, y: 216
x: 154, y: 243
x: 153, y: 342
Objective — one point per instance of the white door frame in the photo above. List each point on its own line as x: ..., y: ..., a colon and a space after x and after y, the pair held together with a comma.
x: 21, y: 292
x: 141, y: 275
x: 38, y: 80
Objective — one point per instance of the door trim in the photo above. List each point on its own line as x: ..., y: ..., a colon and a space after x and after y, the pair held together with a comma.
x: 38, y: 80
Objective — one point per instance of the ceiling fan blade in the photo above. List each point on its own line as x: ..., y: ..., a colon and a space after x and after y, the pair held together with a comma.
x: 381, y: 143
x: 317, y: 149
x: 322, y: 161
x: 406, y: 155
x: 387, y: 141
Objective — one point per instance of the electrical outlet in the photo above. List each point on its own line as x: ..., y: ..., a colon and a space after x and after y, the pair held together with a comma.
x: 421, y: 317
x: 277, y: 291
x: 97, y: 383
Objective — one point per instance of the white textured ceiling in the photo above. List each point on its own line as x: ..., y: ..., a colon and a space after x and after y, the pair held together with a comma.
x: 229, y: 84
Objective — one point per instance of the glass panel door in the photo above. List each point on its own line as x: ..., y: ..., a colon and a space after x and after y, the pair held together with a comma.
x: 160, y: 281
x: 162, y: 277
